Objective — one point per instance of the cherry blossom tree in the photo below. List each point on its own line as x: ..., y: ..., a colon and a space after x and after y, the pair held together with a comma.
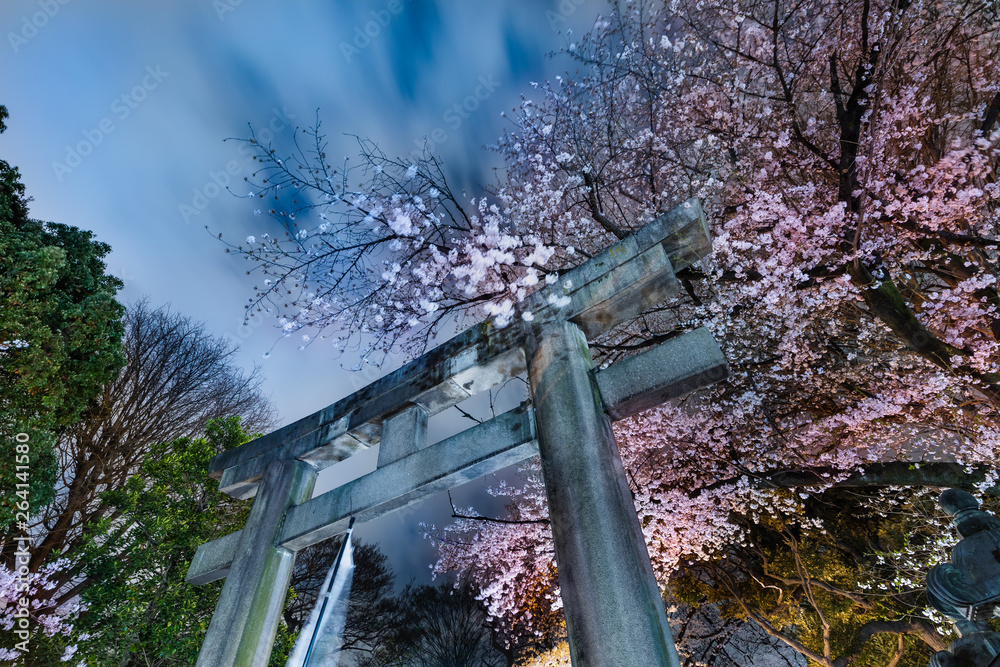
x: 845, y: 153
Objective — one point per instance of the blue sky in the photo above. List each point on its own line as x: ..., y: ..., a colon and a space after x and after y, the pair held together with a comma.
x: 119, y: 111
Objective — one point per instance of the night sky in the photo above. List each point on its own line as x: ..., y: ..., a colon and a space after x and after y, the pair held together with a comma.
x: 119, y: 112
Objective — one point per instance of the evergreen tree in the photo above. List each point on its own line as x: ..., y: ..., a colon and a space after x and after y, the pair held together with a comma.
x: 60, y: 339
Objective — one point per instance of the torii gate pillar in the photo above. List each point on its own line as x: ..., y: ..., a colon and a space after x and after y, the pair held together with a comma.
x: 614, y: 613
x: 246, y: 617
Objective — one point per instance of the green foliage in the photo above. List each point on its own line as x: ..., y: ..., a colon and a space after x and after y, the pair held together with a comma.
x: 140, y: 611
x: 60, y: 334
x: 284, y: 642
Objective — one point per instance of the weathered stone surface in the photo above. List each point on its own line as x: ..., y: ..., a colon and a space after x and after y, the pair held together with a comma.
x: 616, y: 285
x: 480, y: 376
x: 481, y: 450
x: 967, y: 590
x: 403, y: 434
x: 245, y: 621
x: 624, y: 293
x: 212, y: 560
x: 672, y: 368
x: 241, y: 480
x: 491, y: 446
x: 427, y: 381
x: 614, y: 613
x: 683, y: 232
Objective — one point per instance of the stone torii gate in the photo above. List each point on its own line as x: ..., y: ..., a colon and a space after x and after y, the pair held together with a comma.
x: 614, y: 612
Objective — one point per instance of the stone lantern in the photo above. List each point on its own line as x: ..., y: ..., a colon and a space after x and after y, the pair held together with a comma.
x: 967, y: 590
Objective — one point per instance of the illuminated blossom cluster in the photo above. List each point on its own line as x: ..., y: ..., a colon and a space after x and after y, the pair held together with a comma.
x: 393, y: 264
x: 504, y: 586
